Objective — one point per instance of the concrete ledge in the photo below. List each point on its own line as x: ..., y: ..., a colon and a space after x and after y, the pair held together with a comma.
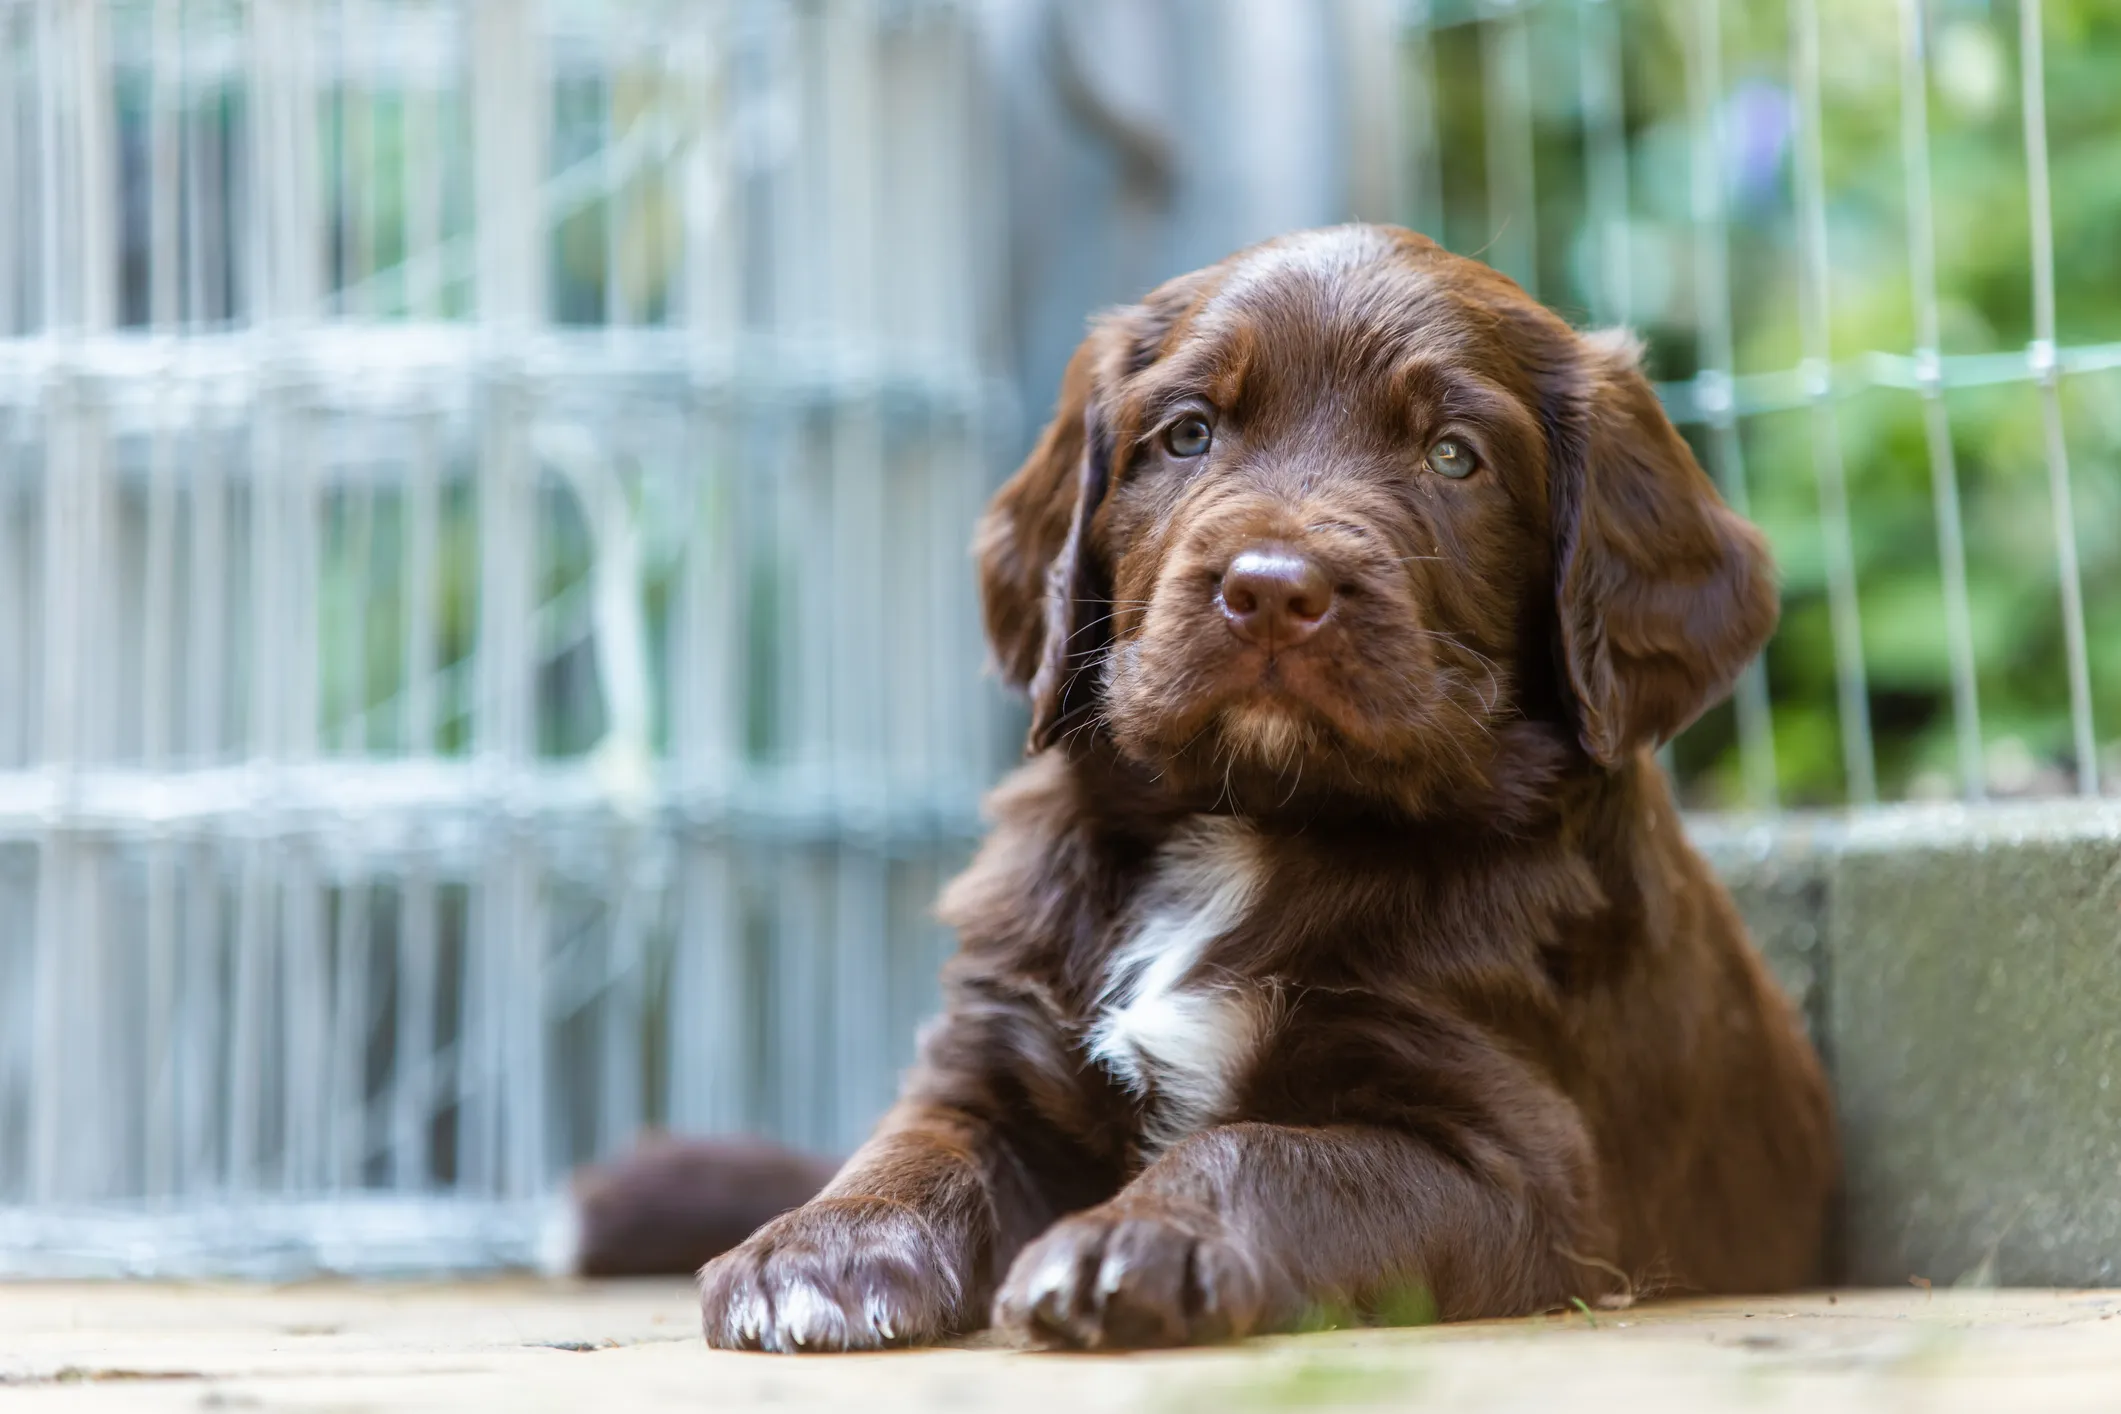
x: 1961, y: 970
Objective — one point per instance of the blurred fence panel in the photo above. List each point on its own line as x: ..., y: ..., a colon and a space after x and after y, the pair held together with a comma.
x: 485, y: 657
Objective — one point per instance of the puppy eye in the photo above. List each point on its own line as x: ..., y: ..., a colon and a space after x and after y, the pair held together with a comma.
x: 1189, y: 436
x: 1453, y: 458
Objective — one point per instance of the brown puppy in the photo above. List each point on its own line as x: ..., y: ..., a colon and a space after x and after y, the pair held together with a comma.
x: 1338, y: 948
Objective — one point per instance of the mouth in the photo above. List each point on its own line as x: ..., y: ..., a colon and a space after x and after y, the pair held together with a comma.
x: 1272, y: 687
x: 1269, y: 706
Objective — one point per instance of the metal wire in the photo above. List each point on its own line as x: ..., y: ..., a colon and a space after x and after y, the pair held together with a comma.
x: 1506, y: 97
x: 1851, y: 685
x: 1601, y: 84
x: 1424, y: 143
x: 1712, y: 383
x: 1936, y: 425
x: 2047, y: 368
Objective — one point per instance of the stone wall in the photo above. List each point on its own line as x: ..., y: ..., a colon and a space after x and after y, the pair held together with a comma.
x: 1961, y: 971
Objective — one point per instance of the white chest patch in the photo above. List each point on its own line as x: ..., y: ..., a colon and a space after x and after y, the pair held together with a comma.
x: 1179, y: 1039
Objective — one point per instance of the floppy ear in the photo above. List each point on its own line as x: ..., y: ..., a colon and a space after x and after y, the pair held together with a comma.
x: 1664, y: 594
x: 1042, y: 590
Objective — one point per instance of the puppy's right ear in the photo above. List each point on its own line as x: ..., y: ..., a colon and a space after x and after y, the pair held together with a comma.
x: 1042, y: 586
x: 1664, y: 593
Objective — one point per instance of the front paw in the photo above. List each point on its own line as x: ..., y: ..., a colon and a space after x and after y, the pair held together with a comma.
x: 1115, y: 1278
x: 834, y: 1274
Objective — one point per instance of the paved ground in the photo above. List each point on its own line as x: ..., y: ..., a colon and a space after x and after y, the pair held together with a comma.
x: 525, y: 1346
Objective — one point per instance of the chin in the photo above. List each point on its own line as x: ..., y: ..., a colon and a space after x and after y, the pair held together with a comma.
x: 1271, y: 734
x: 1268, y: 754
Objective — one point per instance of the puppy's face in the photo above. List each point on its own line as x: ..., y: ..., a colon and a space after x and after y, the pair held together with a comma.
x: 1326, y: 525
x: 1340, y: 514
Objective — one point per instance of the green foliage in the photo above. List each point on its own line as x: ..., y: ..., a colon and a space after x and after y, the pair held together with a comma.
x: 1984, y: 279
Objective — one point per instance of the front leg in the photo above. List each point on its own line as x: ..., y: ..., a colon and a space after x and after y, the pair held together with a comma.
x: 1387, y: 1160
x: 889, y: 1254
x: 1251, y: 1228
x: 906, y: 1244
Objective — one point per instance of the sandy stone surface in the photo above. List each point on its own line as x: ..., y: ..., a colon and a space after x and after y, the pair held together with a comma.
x: 524, y: 1346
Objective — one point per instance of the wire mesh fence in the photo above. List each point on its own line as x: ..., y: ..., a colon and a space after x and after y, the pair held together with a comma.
x: 487, y: 656
x: 482, y: 604
x: 1854, y: 308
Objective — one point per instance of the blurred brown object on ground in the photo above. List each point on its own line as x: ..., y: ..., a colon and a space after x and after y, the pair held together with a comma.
x: 674, y: 1202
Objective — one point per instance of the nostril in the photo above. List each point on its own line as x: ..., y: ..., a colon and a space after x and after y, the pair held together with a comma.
x: 1238, y: 597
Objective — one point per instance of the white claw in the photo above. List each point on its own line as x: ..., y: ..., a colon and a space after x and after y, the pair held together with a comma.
x: 746, y: 1315
x: 880, y: 1318
x: 1051, y: 1279
x: 808, y: 1315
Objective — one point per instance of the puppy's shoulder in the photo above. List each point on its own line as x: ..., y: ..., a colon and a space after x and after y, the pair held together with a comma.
x: 1064, y: 852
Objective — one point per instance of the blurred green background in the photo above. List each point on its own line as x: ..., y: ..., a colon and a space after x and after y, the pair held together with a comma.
x: 1984, y: 280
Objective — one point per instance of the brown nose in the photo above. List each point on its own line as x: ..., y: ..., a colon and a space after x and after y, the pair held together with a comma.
x: 1275, y: 597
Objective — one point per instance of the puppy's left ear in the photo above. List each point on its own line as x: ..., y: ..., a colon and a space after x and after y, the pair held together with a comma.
x: 1041, y: 587
x: 1043, y: 583
x: 1664, y: 593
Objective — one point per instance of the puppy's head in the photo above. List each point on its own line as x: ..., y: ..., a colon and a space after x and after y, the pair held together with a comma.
x: 1346, y: 512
